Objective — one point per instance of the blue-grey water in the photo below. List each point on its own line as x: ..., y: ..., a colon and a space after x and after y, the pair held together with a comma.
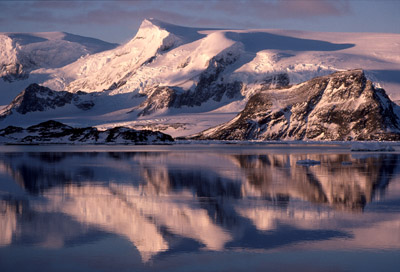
x: 198, y: 208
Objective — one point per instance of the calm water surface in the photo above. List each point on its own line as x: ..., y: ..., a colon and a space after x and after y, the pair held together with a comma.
x: 198, y: 208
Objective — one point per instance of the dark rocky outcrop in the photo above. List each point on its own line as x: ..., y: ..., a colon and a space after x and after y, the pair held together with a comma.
x: 209, y: 86
x: 12, y: 72
x: 39, y: 98
x: 56, y: 132
x: 341, y: 106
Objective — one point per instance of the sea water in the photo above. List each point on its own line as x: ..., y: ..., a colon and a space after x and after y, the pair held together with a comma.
x: 199, y: 208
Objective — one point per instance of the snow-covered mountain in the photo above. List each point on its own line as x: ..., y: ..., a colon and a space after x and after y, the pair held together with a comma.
x: 341, y: 106
x: 184, y: 80
x: 23, y: 53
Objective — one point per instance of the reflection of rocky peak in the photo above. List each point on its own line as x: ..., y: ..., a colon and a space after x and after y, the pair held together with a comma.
x: 343, y: 187
x: 156, y: 180
x: 276, y: 177
x: 34, y: 173
x: 340, y: 106
x: 110, y: 210
x: 24, y: 223
x: 210, y: 187
x: 267, y: 218
x: 179, y: 216
x: 186, y: 197
x: 8, y: 221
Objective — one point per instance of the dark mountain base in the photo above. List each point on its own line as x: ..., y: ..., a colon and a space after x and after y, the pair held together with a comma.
x: 56, y: 132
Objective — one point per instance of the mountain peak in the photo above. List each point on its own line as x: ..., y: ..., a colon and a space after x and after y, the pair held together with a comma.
x: 156, y: 22
x: 150, y: 27
x: 150, y: 22
x: 341, y: 106
x: 186, y: 34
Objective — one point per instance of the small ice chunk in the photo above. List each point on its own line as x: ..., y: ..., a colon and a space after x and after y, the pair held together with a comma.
x: 371, y: 147
x: 347, y: 163
x: 308, y: 162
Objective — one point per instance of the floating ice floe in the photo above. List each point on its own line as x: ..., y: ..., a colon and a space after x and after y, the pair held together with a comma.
x: 308, y: 162
x: 371, y: 147
x: 347, y: 163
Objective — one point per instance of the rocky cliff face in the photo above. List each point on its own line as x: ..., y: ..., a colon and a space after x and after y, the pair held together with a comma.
x: 340, y: 106
x: 56, y: 132
x: 211, y: 86
x: 39, y: 98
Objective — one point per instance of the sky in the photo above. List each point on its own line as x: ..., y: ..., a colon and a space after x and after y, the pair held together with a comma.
x: 118, y: 21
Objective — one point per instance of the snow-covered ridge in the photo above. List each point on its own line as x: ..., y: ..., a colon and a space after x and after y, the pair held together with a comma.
x: 163, y: 54
x: 27, y: 58
x: 190, y: 52
x: 20, y: 53
x: 112, y: 69
x: 167, y: 75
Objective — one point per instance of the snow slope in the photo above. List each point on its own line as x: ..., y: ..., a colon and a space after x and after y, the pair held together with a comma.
x: 23, y: 53
x: 179, y: 54
x: 200, y: 67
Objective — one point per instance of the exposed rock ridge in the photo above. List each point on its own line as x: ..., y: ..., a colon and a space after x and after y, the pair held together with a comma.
x: 39, y: 98
x: 56, y: 132
x: 210, y: 85
x: 341, y: 106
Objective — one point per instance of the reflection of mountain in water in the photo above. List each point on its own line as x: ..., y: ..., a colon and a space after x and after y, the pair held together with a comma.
x: 341, y: 186
x: 156, y: 199
x: 40, y: 227
x: 8, y: 222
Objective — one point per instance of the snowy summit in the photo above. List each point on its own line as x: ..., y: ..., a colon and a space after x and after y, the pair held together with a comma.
x: 182, y: 80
